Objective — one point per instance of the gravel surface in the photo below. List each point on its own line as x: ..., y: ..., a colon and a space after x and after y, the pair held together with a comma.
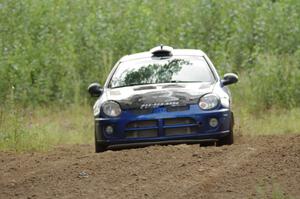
x: 257, y: 167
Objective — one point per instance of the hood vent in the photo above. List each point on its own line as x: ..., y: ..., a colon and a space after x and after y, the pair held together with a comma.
x: 144, y: 88
x: 173, y: 86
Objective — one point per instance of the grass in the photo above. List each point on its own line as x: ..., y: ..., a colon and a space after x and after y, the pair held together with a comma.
x: 43, y: 128
x: 50, y: 51
x: 274, y: 192
x: 271, y: 122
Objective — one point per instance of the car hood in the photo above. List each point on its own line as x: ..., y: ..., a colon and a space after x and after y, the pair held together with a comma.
x: 156, y: 95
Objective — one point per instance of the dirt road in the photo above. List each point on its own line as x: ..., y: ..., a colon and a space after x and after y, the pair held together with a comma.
x: 260, y: 167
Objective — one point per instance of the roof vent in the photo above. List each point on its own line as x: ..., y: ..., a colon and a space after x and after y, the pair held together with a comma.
x: 161, y: 51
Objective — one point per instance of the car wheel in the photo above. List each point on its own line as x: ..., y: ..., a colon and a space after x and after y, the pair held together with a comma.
x: 206, y: 144
x: 228, y: 139
x: 100, y: 147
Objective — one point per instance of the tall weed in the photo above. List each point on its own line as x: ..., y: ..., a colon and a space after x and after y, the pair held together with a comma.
x: 51, y: 50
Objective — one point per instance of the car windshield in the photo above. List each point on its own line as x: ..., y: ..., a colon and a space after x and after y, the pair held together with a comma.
x: 153, y: 71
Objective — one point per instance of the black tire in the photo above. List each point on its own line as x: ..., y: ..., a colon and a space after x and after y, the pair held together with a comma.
x: 206, y: 144
x: 100, y: 147
x: 228, y: 139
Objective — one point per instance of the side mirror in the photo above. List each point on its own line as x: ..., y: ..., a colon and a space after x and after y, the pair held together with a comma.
x: 95, y: 89
x: 230, y: 78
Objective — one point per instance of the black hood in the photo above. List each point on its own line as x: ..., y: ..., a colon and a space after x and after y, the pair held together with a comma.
x: 152, y: 96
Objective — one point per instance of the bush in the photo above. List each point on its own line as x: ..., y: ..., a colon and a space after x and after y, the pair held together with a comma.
x: 51, y: 50
x: 272, y: 83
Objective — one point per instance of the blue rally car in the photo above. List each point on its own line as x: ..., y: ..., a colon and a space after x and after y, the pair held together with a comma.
x: 164, y: 96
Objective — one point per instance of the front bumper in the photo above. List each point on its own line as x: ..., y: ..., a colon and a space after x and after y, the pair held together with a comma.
x: 163, y: 127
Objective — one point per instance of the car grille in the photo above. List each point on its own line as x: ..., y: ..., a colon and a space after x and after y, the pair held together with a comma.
x: 141, y: 133
x: 179, y: 126
x: 142, y: 129
x: 179, y: 121
x: 166, y: 127
x: 142, y: 123
x: 180, y: 131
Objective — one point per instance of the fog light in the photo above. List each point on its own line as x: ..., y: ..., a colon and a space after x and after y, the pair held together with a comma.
x: 109, y: 129
x: 213, y: 122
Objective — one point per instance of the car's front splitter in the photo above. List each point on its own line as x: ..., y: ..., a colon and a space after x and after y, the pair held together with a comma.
x: 196, y: 139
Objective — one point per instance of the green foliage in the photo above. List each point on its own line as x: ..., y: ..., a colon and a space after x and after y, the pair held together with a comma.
x: 272, y: 83
x: 41, y: 129
x: 51, y: 50
x: 275, y: 81
x: 274, y: 121
x: 274, y: 192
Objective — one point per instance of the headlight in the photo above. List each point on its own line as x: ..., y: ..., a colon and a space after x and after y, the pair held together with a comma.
x: 111, y: 109
x: 209, y: 101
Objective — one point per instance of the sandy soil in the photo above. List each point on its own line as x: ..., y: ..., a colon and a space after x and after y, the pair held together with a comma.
x: 256, y: 167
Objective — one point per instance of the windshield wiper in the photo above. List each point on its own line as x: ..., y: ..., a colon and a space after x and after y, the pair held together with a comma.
x: 181, y: 81
x: 135, y: 84
x: 173, y: 81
